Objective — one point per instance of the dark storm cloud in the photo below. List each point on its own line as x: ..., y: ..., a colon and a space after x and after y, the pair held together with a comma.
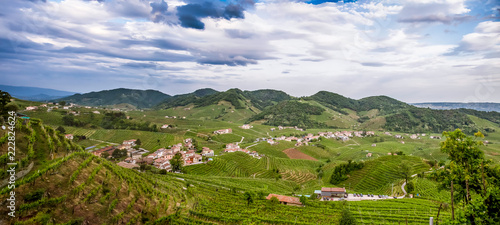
x: 190, y: 15
x: 159, y: 11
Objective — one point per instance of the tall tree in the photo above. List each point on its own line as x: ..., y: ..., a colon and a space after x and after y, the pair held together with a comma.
x: 405, y: 171
x: 248, y: 197
x: 177, y: 162
x: 4, y: 100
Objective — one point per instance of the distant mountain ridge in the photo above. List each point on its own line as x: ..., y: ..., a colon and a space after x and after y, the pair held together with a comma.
x: 34, y: 93
x: 137, y: 98
x: 479, y: 106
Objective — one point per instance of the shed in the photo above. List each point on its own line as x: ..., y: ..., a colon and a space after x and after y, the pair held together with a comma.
x: 285, y: 200
x: 332, y: 192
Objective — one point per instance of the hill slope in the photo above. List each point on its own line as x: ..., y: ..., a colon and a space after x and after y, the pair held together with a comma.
x: 34, y: 93
x: 137, y: 98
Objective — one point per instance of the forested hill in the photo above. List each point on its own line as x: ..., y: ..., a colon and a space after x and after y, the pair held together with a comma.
x: 238, y: 98
x: 137, y: 98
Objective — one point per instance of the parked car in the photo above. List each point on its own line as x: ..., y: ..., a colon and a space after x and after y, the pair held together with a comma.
x: 395, y: 197
x: 361, y: 195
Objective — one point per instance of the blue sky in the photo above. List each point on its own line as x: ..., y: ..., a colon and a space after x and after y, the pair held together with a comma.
x: 414, y: 50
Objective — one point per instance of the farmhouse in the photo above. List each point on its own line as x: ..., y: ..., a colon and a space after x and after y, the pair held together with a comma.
x: 165, y: 126
x: 285, y: 200
x: 69, y: 136
x: 109, y: 149
x: 223, y: 131
x: 130, y: 142
x: 207, y: 152
x: 332, y: 192
x: 29, y: 108
x: 246, y: 126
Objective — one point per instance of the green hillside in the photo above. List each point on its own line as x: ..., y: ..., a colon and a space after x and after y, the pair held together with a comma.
x: 137, y: 98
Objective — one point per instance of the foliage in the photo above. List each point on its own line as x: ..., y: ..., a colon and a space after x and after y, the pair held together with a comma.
x: 347, y: 218
x: 340, y: 172
x: 405, y: 171
x: 138, y: 98
x: 421, y: 119
x: 290, y: 113
x: 4, y: 100
x: 248, y: 196
x: 177, y: 162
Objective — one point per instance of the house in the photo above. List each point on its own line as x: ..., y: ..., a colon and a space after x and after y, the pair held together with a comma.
x: 109, y: 150
x: 96, y: 112
x: 69, y: 136
x: 271, y: 141
x: 414, y: 136
x: 223, y: 131
x: 165, y: 126
x: 398, y: 136
x: 374, y: 145
x: 207, y: 152
x: 435, y: 137
x: 285, y: 200
x: 246, y: 126
x: 130, y: 142
x: 29, y: 108
x: 128, y: 165
x: 369, y: 155
x: 332, y: 192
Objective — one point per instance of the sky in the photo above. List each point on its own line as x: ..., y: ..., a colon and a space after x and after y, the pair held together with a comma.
x: 412, y: 50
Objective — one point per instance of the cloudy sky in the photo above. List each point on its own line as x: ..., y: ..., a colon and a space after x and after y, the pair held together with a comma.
x: 412, y: 50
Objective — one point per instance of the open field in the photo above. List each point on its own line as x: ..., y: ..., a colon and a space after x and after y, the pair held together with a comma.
x: 293, y: 153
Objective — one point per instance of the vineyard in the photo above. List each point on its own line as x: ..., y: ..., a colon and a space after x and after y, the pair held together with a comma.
x: 378, y: 173
x: 240, y: 164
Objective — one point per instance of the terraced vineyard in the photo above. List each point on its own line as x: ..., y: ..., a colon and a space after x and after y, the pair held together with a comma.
x: 428, y: 189
x: 378, y: 173
x: 240, y: 164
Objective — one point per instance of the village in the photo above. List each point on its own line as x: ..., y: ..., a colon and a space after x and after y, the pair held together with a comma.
x: 190, y: 155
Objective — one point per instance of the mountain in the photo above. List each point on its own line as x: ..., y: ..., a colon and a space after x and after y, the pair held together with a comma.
x: 34, y: 93
x: 137, y: 98
x: 479, y: 106
x: 290, y: 113
x: 238, y: 98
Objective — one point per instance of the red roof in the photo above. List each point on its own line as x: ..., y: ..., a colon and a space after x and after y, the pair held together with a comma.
x: 287, y: 199
x: 329, y: 189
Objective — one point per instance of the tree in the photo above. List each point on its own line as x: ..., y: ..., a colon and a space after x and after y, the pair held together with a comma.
x: 105, y: 155
x: 138, y: 142
x: 248, y: 197
x: 61, y: 130
x: 119, y: 153
x: 347, y: 218
x: 62, y: 103
x: 4, y: 100
x: 303, y: 199
x: 405, y: 171
x: 177, y: 162
x: 471, y: 175
x: 410, y: 187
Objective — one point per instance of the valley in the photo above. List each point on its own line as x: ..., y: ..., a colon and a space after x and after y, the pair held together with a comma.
x: 267, y: 143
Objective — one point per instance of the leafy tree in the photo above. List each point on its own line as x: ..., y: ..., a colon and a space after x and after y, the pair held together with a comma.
x: 105, y: 155
x: 472, y: 176
x: 62, y: 103
x: 347, y: 218
x: 138, y: 141
x: 405, y: 171
x: 119, y: 153
x: 410, y: 187
x: 249, y: 196
x: 303, y: 199
x: 61, y: 129
x: 177, y: 162
x: 4, y: 100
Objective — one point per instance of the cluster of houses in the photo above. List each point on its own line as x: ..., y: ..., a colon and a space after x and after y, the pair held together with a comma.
x: 234, y: 147
x: 282, y: 128
x: 304, y: 140
x: 175, y: 117
x: 412, y: 136
x: 50, y: 106
x: 161, y: 157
